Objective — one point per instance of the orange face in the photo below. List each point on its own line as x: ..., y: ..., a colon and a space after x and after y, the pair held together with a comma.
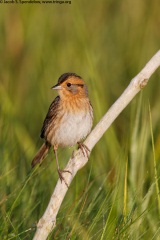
x: 72, y: 87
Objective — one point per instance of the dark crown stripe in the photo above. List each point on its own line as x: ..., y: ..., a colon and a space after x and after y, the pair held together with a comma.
x: 65, y: 76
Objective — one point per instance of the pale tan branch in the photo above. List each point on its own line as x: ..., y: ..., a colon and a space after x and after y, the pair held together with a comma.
x: 48, y: 221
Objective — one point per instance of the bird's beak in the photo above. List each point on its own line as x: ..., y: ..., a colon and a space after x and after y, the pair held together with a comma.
x: 56, y: 87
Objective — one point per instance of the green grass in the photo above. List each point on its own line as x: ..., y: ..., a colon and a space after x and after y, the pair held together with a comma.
x: 116, y: 195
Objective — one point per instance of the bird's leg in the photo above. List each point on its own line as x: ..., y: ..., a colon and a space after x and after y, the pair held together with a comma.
x: 60, y: 172
x: 85, y: 150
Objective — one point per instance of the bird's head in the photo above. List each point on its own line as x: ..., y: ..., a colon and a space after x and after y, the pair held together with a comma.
x: 71, y: 85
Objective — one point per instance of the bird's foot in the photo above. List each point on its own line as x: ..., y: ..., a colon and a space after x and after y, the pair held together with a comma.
x: 61, y: 177
x: 85, y: 150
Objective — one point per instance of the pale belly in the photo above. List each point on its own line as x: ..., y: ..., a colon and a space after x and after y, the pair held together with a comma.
x: 72, y: 129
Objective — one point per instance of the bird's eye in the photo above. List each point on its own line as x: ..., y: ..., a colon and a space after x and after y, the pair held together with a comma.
x: 68, y: 84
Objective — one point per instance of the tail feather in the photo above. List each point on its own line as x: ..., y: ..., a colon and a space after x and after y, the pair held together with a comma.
x: 40, y: 154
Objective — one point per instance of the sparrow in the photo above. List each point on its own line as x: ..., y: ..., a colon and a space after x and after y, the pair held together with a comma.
x: 69, y: 119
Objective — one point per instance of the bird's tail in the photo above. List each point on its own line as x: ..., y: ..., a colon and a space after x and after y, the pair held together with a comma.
x: 40, y: 154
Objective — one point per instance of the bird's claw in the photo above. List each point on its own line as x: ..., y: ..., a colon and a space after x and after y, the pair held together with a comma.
x: 60, y: 173
x: 85, y: 150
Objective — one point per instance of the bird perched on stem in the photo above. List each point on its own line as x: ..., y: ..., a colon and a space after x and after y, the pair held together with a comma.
x: 69, y: 118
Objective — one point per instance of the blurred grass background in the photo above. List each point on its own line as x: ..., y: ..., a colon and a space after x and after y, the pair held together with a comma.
x: 116, y: 196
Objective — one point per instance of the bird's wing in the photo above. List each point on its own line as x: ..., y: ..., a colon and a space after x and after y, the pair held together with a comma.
x: 52, y: 112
